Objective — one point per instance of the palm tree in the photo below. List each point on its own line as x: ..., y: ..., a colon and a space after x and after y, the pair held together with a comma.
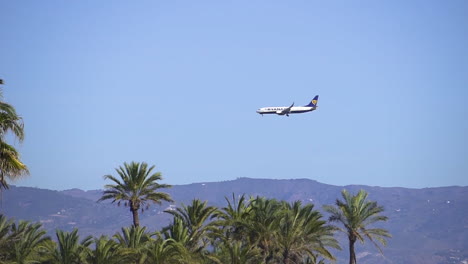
x: 5, y: 228
x: 313, y: 260
x: 137, y: 188
x: 22, y: 242
x: 11, y: 166
x: 27, y: 242
x: 356, y: 213
x: 231, y: 240
x: 233, y: 251
x: 134, y: 242
x: 106, y: 251
x: 178, y: 233
x: 233, y: 219
x: 302, y: 234
x: 194, y: 219
x: 166, y: 251
x: 68, y: 249
x: 262, y: 226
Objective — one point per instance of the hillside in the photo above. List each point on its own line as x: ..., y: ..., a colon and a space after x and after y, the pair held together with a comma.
x: 428, y: 225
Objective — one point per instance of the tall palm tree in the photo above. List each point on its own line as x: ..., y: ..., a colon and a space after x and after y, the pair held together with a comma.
x: 356, y: 213
x: 11, y: 166
x: 137, y: 188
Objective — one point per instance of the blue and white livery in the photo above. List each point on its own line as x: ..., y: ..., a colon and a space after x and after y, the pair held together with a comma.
x: 282, y: 110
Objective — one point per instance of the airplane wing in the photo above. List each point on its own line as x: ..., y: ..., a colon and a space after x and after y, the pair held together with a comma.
x: 287, y: 110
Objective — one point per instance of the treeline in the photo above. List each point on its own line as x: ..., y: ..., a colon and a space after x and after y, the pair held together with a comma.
x: 246, y: 230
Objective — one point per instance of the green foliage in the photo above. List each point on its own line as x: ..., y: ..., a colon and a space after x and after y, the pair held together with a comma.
x: 22, y: 242
x: 246, y: 231
x: 237, y: 252
x: 233, y: 220
x: 269, y: 231
x: 301, y: 233
x: 134, y: 242
x: 5, y: 227
x: 11, y: 166
x: 194, y: 218
x: 68, y: 249
x: 191, y: 229
x: 262, y: 226
x: 356, y: 213
x: 167, y: 251
x: 137, y: 188
x: 106, y: 251
x: 28, y: 242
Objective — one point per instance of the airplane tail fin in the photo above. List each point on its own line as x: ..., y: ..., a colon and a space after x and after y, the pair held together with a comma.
x: 314, y: 102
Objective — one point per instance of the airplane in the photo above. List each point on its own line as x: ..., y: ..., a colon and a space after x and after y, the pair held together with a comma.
x: 282, y: 110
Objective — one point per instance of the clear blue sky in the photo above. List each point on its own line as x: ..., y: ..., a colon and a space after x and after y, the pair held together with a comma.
x: 177, y: 84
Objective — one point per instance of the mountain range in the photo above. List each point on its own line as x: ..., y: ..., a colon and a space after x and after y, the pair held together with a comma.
x: 428, y: 225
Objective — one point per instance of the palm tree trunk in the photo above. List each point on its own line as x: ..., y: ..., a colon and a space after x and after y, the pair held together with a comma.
x: 286, y: 257
x: 136, y: 220
x: 352, y: 254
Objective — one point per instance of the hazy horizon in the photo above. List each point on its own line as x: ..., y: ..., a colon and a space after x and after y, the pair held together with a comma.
x: 286, y: 179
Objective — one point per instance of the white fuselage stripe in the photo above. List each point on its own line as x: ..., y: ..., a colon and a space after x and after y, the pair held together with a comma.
x: 275, y: 110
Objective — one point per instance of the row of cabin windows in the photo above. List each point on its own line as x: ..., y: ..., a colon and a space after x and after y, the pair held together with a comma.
x: 275, y: 108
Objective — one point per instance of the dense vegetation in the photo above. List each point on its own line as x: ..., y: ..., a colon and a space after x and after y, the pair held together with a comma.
x: 246, y: 230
